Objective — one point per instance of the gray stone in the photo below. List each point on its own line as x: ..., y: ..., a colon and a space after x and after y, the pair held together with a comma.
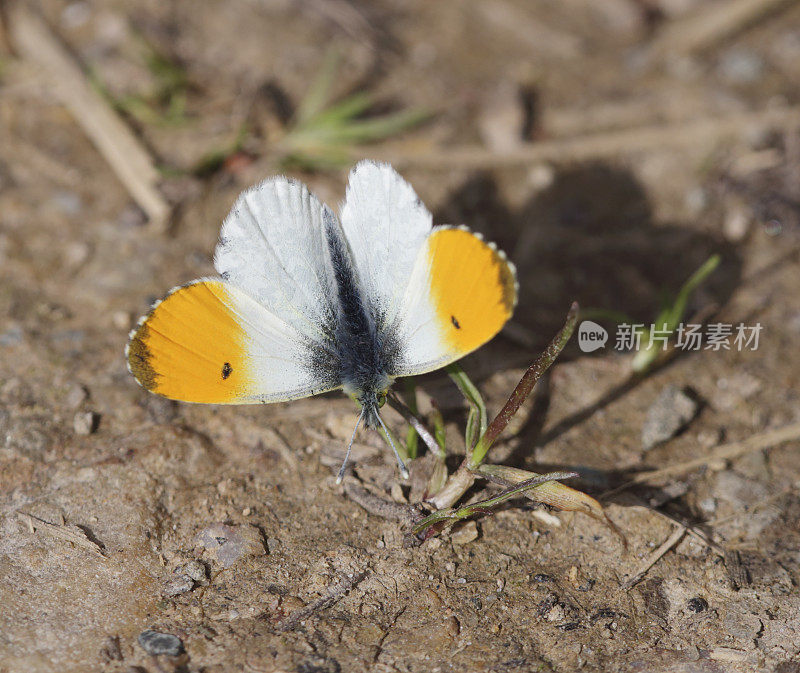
x: 195, y: 570
x: 230, y: 543
x: 669, y: 414
x: 178, y: 585
x: 156, y: 643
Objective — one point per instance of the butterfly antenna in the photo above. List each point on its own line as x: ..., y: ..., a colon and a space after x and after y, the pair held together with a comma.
x: 340, y: 476
x: 400, y: 464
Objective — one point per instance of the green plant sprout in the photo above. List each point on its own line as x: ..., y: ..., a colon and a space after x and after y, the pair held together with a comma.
x: 665, y: 323
x: 164, y: 104
x: 322, y: 134
x: 445, y: 490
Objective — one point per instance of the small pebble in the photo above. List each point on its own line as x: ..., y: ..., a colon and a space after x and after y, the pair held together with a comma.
x: 230, y: 543
x: 736, y: 225
x: 465, y: 534
x: 121, y: 320
x: 708, y: 505
x: 556, y: 614
x: 177, y: 585
x: 11, y: 336
x: 156, y: 643
x: 697, y: 604
x: 696, y: 200
x: 76, y: 254
x: 195, y: 570
x: 85, y: 422
x: 67, y: 202
x: 76, y: 15
x: 671, y: 412
x: 76, y: 396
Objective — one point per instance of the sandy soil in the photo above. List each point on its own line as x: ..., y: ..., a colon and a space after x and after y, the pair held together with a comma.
x: 121, y: 512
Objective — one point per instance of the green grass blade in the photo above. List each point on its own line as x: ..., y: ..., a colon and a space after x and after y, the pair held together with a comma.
x: 319, y: 91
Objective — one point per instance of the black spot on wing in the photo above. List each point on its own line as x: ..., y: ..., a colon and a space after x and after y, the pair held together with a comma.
x: 455, y: 322
x: 226, y: 370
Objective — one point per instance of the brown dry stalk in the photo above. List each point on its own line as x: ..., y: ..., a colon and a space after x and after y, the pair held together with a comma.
x: 330, y: 597
x: 711, y: 25
x: 70, y: 533
x: 653, y: 558
x: 530, y: 378
x: 697, y: 133
x: 764, y: 440
x: 132, y: 163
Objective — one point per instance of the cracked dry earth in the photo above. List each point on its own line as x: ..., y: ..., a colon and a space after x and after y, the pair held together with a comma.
x: 123, y: 514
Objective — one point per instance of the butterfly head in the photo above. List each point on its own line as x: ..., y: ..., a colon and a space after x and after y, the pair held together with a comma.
x: 370, y: 398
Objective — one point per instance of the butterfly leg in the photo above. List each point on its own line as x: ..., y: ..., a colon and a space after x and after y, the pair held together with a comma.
x: 340, y: 476
x: 400, y: 464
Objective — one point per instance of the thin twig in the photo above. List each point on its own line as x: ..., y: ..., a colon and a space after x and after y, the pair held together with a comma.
x: 525, y: 386
x: 711, y: 25
x: 515, y: 23
x: 651, y: 560
x: 374, y: 504
x: 764, y: 440
x: 697, y: 133
x: 287, y: 453
x: 71, y: 533
x: 129, y: 159
x: 693, y: 531
x: 415, y: 422
x: 330, y: 597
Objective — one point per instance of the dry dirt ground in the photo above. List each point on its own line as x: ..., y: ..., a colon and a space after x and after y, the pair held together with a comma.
x: 121, y: 512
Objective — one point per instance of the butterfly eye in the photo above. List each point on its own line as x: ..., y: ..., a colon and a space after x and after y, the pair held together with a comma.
x: 381, y: 399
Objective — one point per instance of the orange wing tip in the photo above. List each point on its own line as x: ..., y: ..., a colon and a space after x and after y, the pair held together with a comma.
x: 137, y: 355
x: 512, y: 268
x: 474, y: 287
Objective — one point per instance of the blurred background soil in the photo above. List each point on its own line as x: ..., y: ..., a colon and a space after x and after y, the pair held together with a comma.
x: 609, y: 147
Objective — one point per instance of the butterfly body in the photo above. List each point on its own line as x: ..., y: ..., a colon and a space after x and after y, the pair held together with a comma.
x: 364, y: 352
x: 308, y: 303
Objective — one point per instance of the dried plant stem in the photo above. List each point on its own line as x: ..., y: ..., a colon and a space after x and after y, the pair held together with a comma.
x: 764, y: 440
x: 700, y: 132
x: 330, y: 597
x: 129, y: 159
x: 524, y: 388
x: 651, y: 560
x: 711, y: 25
x: 464, y: 477
x: 458, y: 484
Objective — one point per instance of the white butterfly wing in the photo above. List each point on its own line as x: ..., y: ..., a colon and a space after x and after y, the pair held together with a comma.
x: 386, y: 225
x: 437, y: 293
x: 273, y: 246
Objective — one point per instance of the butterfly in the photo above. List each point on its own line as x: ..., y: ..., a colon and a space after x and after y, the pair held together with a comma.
x: 306, y: 302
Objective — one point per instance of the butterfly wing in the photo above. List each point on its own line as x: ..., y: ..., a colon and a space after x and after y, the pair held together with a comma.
x: 211, y: 342
x: 265, y: 331
x: 461, y: 292
x: 274, y: 246
x: 386, y: 225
